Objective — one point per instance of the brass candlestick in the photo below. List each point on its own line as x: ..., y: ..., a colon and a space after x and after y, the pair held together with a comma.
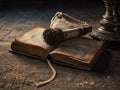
x: 109, y: 29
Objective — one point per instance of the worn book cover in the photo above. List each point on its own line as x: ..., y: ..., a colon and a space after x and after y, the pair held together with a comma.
x: 80, y: 52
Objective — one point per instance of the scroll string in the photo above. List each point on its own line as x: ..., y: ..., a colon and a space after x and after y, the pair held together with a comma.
x: 38, y: 84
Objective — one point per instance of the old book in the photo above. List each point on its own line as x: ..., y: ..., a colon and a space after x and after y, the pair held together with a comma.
x: 80, y: 52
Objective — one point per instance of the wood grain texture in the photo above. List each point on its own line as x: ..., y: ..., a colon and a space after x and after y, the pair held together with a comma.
x: 16, y: 69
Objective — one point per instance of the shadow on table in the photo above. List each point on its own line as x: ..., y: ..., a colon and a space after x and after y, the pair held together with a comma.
x: 113, y: 45
x: 103, y: 62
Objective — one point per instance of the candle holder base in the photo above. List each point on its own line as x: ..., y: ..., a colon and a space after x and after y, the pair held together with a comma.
x: 109, y: 29
x: 105, y: 35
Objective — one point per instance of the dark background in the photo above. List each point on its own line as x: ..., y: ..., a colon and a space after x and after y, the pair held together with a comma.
x: 49, y: 3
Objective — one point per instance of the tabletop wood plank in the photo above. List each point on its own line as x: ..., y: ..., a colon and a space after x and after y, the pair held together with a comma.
x: 16, y: 69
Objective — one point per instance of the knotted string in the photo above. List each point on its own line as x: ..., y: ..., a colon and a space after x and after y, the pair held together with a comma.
x: 38, y: 84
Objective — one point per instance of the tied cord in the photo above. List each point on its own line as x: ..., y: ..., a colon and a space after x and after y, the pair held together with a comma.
x: 38, y: 84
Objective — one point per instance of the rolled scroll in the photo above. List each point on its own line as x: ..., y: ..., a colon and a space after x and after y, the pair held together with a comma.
x: 65, y: 27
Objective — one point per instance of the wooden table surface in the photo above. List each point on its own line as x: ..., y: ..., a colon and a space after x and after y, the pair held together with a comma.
x: 16, y: 69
